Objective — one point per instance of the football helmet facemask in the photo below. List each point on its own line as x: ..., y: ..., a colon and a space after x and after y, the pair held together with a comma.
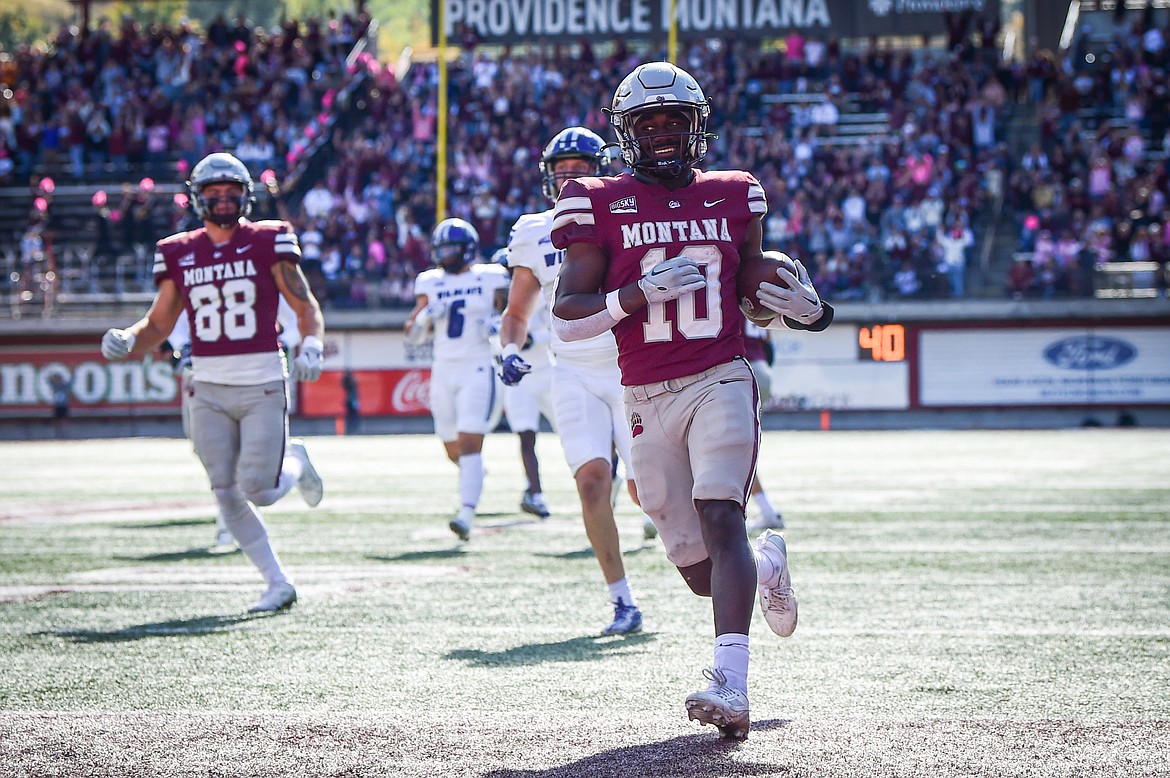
x: 569, y: 143
x: 454, y: 245
x: 220, y: 168
x: 660, y: 86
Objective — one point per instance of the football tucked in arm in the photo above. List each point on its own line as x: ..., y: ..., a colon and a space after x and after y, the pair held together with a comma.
x: 754, y: 272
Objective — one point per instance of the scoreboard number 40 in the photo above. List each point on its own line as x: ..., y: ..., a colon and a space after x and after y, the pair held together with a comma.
x: 882, y: 343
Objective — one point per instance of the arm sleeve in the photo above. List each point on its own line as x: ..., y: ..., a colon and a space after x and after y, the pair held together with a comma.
x: 580, y: 329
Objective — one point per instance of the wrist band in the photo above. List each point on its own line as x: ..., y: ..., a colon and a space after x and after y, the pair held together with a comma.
x: 614, y: 306
x: 510, y: 350
x: 312, y: 341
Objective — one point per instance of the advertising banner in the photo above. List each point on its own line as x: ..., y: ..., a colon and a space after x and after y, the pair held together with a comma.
x: 541, y: 21
x: 1044, y: 366
x: 28, y: 376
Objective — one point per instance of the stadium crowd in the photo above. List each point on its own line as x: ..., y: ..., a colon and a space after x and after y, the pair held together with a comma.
x: 1094, y: 187
x: 109, y: 101
x: 890, y: 213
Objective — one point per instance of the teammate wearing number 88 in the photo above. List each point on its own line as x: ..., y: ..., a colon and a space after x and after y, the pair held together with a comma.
x: 653, y: 254
x: 227, y: 278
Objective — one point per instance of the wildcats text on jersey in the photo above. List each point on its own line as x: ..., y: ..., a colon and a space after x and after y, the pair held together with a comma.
x: 240, y: 268
x: 644, y: 233
x: 464, y: 291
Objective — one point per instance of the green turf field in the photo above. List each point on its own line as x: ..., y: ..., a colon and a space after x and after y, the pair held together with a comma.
x: 972, y: 604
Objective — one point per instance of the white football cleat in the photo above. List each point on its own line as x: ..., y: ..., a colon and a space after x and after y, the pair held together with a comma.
x: 224, y: 539
x: 720, y: 705
x: 461, y: 527
x: 278, y: 597
x: 309, y: 484
x: 768, y: 521
x: 777, y: 600
x: 649, y: 531
x: 534, y: 503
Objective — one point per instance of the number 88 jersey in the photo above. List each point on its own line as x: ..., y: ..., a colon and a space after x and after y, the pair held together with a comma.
x: 638, y: 224
x: 230, y: 292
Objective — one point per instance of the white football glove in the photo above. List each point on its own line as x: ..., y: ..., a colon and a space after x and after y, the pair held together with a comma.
x: 117, y: 344
x: 801, y: 302
x: 307, y: 366
x: 671, y: 279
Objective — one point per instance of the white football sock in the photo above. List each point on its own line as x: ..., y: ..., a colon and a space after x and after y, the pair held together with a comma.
x: 261, y: 554
x: 764, y: 504
x: 731, y: 657
x: 470, y: 479
x: 619, y: 591
x: 766, y: 569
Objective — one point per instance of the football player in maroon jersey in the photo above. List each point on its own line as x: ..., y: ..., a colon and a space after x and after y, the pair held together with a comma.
x: 227, y: 278
x: 653, y: 254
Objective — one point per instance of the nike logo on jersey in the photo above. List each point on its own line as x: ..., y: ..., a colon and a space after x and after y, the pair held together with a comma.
x: 710, y: 203
x: 242, y: 249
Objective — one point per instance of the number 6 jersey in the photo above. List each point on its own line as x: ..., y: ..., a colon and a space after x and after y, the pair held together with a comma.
x: 639, y: 224
x: 231, y: 298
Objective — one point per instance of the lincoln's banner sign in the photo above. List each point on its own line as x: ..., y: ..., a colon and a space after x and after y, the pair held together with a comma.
x: 538, y: 21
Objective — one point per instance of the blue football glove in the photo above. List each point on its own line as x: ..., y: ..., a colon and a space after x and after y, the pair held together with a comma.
x: 513, y: 368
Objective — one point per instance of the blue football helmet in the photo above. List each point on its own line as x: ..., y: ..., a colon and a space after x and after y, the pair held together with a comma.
x: 454, y: 245
x: 569, y: 143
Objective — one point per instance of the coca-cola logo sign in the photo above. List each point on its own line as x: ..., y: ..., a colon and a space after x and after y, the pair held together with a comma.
x: 412, y: 393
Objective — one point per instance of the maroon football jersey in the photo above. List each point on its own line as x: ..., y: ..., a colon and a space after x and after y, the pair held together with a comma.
x: 230, y: 294
x: 639, y: 224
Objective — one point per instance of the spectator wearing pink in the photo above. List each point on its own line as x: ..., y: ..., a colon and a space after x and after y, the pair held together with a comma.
x: 1100, y: 176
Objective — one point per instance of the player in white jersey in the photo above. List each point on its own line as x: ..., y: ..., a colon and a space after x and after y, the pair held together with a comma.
x: 526, y: 402
x: 227, y: 277
x: 456, y: 301
x: 590, y: 417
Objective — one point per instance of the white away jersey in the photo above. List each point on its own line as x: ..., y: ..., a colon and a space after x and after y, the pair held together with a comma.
x: 530, y: 246
x: 462, y: 334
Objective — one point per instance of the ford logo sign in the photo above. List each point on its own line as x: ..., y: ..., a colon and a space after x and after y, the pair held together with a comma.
x: 1090, y: 352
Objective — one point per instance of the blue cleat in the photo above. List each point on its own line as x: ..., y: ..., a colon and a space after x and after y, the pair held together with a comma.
x: 626, y: 619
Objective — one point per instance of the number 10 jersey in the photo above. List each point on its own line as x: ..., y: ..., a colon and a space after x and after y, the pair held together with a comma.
x: 638, y: 224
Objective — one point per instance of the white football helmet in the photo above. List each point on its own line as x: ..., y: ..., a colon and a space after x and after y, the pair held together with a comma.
x: 658, y: 86
x: 219, y: 168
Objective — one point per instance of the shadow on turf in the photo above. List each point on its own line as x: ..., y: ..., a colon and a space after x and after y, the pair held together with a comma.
x: 689, y: 756
x: 587, y: 552
x: 580, y: 649
x: 199, y: 552
x: 169, y: 524
x: 421, y: 556
x: 205, y: 625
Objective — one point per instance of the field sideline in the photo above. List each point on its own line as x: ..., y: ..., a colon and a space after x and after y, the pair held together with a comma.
x: 984, y: 603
